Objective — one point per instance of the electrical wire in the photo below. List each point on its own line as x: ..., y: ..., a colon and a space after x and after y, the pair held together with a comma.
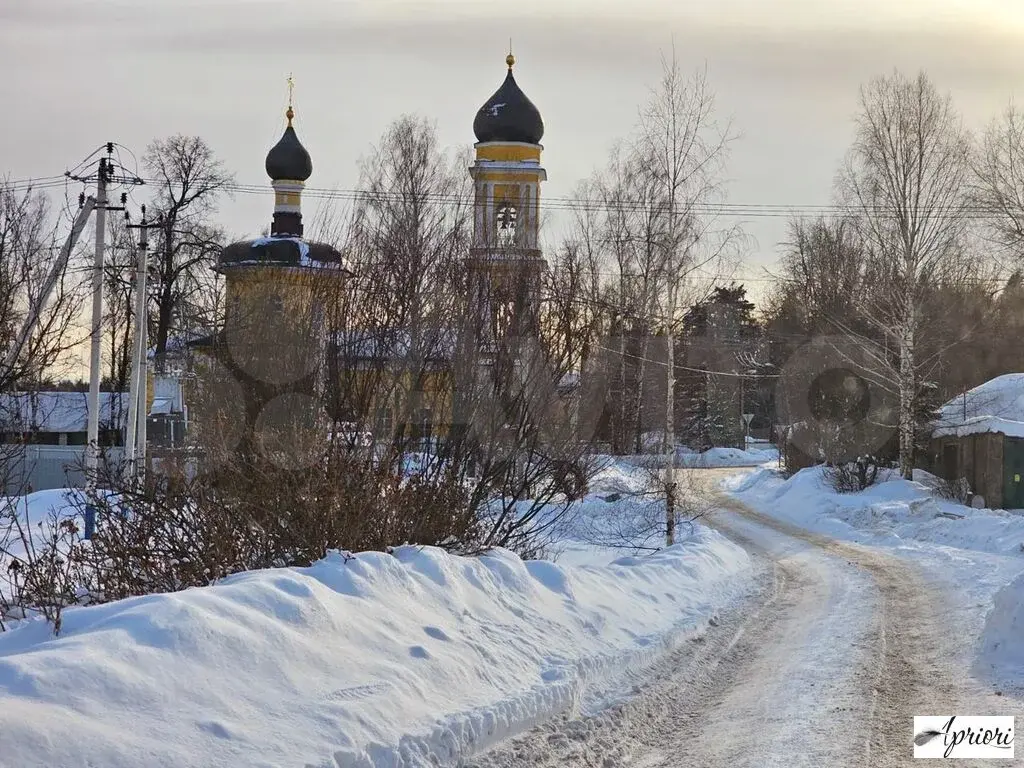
x: 688, y: 368
x: 739, y: 210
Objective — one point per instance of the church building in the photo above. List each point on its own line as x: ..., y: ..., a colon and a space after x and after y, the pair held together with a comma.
x: 505, y: 261
x: 501, y: 302
x: 267, y: 365
x: 264, y: 383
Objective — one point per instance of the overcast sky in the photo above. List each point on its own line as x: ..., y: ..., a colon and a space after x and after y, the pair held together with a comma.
x: 786, y: 72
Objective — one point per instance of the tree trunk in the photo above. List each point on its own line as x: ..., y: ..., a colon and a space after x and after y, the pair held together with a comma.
x: 638, y: 401
x: 907, y: 392
x: 164, y: 308
x: 620, y: 432
x: 670, y: 423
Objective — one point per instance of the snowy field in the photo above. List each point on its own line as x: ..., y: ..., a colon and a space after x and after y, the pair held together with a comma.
x: 414, y: 658
x: 977, y: 554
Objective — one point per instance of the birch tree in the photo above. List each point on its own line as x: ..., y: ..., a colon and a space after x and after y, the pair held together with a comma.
x: 683, y: 147
x: 904, y: 180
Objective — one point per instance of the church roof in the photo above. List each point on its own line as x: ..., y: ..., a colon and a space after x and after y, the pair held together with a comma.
x: 288, y: 159
x: 281, y: 251
x: 509, y: 115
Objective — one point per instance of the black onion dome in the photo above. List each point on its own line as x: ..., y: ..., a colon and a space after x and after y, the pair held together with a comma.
x: 509, y: 116
x: 288, y: 159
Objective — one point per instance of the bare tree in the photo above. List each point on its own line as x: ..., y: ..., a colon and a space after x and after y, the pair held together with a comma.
x: 29, y: 250
x: 408, y: 236
x: 189, y: 181
x: 574, y: 310
x: 999, y: 179
x: 632, y: 234
x: 683, y: 150
x: 904, y: 179
x: 823, y: 275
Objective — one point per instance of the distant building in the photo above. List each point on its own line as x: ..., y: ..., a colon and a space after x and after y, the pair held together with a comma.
x: 259, y: 379
x: 979, y: 437
x: 43, y: 437
x: 60, y: 418
x: 417, y: 387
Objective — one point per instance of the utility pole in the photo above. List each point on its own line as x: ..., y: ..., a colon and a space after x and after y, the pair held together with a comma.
x: 105, y: 175
x: 96, y: 339
x: 135, y: 429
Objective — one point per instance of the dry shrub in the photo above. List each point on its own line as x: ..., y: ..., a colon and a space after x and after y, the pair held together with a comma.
x: 250, y: 514
x: 853, y: 476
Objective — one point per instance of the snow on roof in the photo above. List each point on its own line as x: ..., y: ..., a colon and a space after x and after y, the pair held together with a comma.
x: 995, y: 406
x: 59, y: 411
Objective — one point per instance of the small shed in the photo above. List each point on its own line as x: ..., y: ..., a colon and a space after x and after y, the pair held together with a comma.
x: 979, y: 437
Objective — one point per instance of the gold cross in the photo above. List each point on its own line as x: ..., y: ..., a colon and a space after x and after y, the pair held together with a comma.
x: 291, y: 87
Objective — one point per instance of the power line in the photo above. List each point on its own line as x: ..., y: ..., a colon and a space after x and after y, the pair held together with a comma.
x: 737, y: 210
x: 688, y: 368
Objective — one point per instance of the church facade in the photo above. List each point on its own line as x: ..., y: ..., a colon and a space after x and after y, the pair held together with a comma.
x: 270, y: 356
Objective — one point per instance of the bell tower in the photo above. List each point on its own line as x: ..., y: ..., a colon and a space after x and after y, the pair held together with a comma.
x: 505, y: 261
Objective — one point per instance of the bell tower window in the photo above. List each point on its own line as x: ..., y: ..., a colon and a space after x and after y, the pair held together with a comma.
x: 507, y: 217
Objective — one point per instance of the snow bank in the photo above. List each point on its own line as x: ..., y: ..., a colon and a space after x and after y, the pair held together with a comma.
x: 1002, y: 640
x: 891, y: 510
x: 730, y: 457
x: 410, y: 659
x: 710, y: 459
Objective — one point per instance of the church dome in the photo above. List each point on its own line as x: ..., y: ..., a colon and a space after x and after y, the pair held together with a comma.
x: 288, y: 159
x: 509, y: 115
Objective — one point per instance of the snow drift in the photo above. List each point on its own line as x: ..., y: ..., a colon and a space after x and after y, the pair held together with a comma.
x: 1002, y: 640
x: 410, y: 659
x: 890, y: 511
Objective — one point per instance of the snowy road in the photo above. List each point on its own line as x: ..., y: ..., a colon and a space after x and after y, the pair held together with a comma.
x: 825, y: 664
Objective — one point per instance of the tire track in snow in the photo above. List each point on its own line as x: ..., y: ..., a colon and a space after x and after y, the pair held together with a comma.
x: 622, y: 734
x: 704, y: 706
x: 912, y: 671
x: 732, y: 682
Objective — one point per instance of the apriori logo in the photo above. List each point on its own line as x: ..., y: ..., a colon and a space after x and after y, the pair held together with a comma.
x: 969, y: 737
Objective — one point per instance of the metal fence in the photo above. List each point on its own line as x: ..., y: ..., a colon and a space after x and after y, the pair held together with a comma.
x: 25, y: 468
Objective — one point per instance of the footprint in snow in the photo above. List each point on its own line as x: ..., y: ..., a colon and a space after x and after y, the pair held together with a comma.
x: 437, y: 633
x: 215, y: 728
x: 419, y: 652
